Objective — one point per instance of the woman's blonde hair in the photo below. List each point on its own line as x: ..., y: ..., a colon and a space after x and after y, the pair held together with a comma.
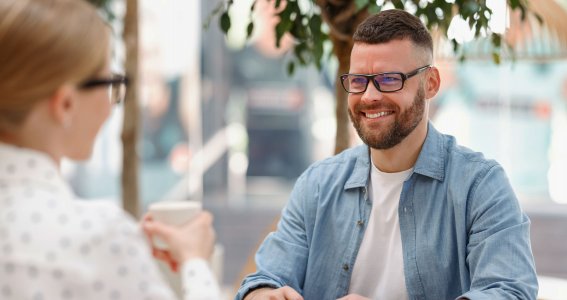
x: 43, y: 45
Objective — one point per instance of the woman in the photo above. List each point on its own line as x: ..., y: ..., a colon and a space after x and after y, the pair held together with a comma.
x: 56, y: 90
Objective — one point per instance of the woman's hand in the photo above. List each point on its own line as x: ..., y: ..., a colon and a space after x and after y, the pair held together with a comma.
x: 194, y: 239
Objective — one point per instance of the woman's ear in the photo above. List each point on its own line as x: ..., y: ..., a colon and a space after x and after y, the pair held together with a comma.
x: 433, y: 82
x: 62, y: 105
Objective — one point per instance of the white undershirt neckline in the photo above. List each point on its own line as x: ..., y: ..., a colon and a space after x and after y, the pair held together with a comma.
x: 382, y: 278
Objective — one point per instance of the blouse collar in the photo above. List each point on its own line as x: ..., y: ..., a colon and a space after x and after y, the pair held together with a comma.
x: 27, y: 166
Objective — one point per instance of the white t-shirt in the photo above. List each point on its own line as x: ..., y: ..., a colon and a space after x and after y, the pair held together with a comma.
x: 379, y: 268
x: 53, y: 246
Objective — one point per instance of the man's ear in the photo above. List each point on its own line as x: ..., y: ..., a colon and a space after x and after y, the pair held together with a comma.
x: 433, y: 82
x: 62, y: 104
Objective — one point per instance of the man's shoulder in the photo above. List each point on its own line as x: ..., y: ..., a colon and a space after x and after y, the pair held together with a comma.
x: 465, y: 159
x: 465, y: 153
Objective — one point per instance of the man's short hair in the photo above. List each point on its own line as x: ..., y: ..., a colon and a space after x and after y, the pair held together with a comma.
x: 393, y: 24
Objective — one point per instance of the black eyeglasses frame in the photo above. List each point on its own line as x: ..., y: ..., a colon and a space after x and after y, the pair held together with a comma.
x: 370, y: 78
x: 114, y: 80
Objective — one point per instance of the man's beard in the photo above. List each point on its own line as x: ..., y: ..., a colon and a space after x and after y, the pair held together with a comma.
x: 396, y: 132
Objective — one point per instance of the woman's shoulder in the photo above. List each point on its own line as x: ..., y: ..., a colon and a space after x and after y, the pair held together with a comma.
x: 105, y: 210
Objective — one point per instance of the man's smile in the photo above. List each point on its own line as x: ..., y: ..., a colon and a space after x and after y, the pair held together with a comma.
x: 375, y: 115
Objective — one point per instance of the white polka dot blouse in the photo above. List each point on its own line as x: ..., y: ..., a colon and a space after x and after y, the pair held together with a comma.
x: 54, y: 246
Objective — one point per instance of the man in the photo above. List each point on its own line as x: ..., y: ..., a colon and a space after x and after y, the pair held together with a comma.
x: 409, y: 215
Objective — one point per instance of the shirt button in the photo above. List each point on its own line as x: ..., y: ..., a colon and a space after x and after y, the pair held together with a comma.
x: 346, y: 267
x: 359, y: 223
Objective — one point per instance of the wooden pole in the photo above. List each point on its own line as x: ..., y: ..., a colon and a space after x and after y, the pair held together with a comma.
x: 130, y: 130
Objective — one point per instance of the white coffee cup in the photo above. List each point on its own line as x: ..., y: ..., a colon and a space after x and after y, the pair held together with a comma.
x: 174, y: 213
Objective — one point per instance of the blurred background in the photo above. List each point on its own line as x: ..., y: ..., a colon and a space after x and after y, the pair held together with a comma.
x: 223, y: 122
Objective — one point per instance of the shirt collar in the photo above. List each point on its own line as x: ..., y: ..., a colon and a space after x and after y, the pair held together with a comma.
x: 430, y: 162
x: 361, y: 172
x: 26, y: 166
x: 431, y: 159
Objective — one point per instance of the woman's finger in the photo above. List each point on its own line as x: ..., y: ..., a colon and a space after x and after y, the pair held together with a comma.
x: 146, y: 218
x: 161, y: 230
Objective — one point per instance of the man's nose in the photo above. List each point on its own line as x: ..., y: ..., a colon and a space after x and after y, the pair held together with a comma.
x: 372, y: 93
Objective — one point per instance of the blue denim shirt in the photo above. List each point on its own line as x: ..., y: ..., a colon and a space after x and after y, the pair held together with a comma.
x: 463, y: 232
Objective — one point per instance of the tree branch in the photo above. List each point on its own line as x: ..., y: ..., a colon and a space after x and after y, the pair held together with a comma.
x: 345, y: 14
x: 323, y: 4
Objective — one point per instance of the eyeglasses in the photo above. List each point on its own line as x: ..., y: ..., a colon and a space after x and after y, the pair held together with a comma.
x: 117, y: 86
x: 385, y: 82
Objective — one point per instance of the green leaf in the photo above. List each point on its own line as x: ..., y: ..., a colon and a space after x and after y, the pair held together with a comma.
x: 318, y: 53
x: 468, y: 9
x: 398, y: 4
x: 298, y: 51
x: 279, y: 34
x: 496, y: 57
x: 539, y: 18
x: 455, y: 45
x: 374, y: 8
x: 105, y: 8
x: 292, y: 7
x: 249, y: 29
x: 523, y: 13
x: 283, y: 26
x: 514, y: 3
x: 285, y: 15
x: 478, y: 27
x: 225, y: 22
x: 315, y: 23
x: 496, y: 40
x: 299, y: 30
x: 360, y: 4
x: 290, y: 68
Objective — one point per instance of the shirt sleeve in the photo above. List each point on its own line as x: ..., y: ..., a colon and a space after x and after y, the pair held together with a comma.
x: 281, y: 260
x: 198, y: 281
x: 499, y: 256
x: 128, y: 267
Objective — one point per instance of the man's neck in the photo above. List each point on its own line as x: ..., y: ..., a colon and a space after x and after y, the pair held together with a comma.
x: 402, y: 156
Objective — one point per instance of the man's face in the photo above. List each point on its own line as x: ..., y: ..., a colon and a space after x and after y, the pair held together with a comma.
x: 397, y: 129
x: 383, y: 120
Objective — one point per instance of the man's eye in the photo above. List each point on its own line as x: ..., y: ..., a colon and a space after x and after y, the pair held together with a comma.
x: 388, y: 80
x: 358, y: 81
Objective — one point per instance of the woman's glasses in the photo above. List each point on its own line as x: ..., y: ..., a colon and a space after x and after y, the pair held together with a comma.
x: 116, y: 83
